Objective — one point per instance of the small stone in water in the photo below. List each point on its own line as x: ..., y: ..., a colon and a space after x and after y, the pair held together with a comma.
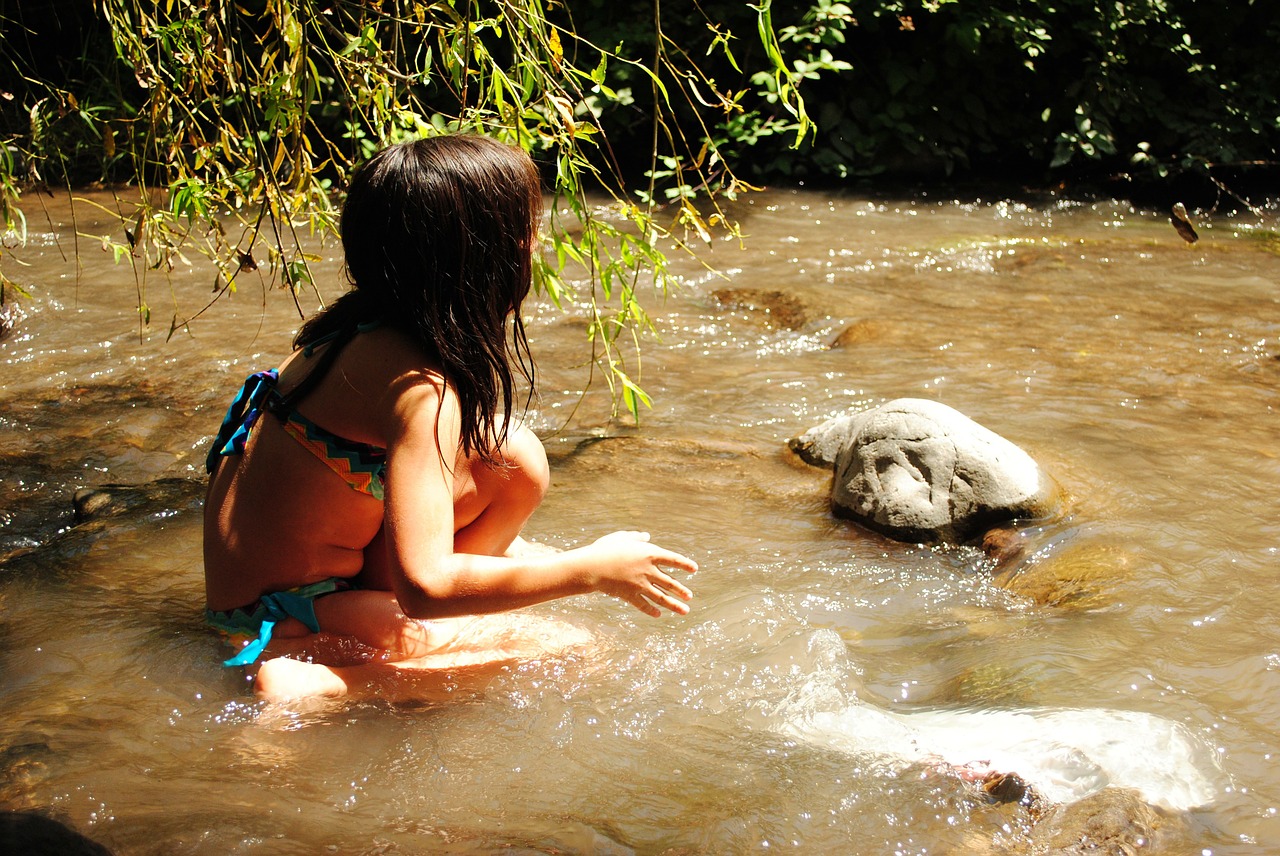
x: 1005, y: 788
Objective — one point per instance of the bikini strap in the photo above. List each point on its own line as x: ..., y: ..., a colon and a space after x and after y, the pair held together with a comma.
x: 244, y: 411
x: 336, y: 340
x: 269, y: 610
x: 309, y: 348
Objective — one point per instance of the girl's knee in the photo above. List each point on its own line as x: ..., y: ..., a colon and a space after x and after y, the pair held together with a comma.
x: 529, y: 475
x: 498, y: 499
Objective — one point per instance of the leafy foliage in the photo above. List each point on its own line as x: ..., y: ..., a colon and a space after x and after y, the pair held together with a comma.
x: 995, y: 88
x: 1067, y: 87
x: 246, y: 116
x: 262, y: 108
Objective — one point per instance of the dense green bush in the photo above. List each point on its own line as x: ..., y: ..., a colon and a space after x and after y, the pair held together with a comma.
x: 896, y: 87
x: 1040, y: 91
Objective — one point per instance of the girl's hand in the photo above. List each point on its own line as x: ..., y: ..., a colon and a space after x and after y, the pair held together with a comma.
x: 626, y: 565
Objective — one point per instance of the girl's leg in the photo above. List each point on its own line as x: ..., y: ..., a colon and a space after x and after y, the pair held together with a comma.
x: 362, y: 625
x: 492, y: 504
x: 432, y: 679
x: 358, y: 626
x: 483, y: 649
x: 374, y: 619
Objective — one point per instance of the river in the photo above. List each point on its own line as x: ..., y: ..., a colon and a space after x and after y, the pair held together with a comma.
x: 1142, y: 373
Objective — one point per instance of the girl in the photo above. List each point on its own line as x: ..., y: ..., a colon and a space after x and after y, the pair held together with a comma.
x: 370, y: 493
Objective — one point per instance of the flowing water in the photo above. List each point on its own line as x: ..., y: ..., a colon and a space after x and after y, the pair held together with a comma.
x: 1143, y: 374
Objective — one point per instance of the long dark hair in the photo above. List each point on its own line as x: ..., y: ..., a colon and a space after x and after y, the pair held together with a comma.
x: 438, y: 236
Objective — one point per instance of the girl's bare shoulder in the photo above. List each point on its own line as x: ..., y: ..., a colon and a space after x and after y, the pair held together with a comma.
x: 401, y: 376
x: 386, y: 357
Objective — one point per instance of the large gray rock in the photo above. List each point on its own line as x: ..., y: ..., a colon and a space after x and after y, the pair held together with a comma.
x: 918, y: 470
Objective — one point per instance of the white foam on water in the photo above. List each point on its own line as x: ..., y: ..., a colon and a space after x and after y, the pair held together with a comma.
x: 1064, y: 754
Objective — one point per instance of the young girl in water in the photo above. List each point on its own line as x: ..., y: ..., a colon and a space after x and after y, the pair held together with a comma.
x: 366, y: 500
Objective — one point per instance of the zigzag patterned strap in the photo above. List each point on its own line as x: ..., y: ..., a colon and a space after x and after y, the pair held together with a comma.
x: 360, y: 465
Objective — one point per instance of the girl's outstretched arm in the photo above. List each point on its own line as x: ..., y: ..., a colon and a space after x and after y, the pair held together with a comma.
x: 624, y: 564
x: 430, y: 580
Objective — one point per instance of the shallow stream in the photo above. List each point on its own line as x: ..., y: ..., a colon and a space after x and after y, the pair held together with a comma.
x: 1142, y: 373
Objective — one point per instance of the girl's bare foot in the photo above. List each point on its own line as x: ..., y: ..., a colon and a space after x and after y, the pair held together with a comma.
x: 285, y: 679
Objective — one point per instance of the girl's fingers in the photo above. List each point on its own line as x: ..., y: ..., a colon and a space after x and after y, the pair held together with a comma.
x: 674, y: 560
x: 670, y: 594
x: 652, y: 603
x: 639, y: 602
x: 670, y: 585
x: 679, y: 607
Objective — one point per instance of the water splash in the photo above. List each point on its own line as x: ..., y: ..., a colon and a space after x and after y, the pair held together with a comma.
x: 1064, y: 754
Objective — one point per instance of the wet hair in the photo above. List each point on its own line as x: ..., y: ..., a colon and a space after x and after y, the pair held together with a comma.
x: 438, y: 236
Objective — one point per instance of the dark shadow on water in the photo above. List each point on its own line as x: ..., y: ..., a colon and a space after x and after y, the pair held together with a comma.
x: 28, y: 832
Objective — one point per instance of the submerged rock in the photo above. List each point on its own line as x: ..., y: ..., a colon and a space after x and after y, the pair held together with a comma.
x: 918, y: 470
x: 1007, y: 788
x: 30, y: 832
x: 1049, y: 756
x: 114, y: 500
x: 24, y: 767
x: 1066, y: 572
x: 861, y: 332
x: 1114, y: 820
x: 95, y: 512
x: 772, y: 308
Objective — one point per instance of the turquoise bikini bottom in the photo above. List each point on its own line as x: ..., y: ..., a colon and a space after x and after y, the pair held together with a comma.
x: 260, y: 617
